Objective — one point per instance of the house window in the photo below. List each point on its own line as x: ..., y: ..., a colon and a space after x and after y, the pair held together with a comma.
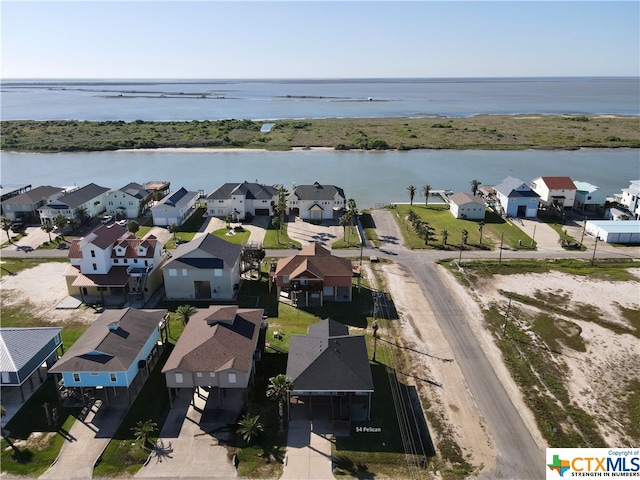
x: 184, y: 272
x: 93, y: 253
x: 285, y: 279
x: 76, y: 377
x: 112, y: 377
x: 212, y: 374
x: 173, y: 272
x: 115, y: 260
x: 217, y: 272
x: 146, y: 263
x: 179, y: 377
x: 232, y: 378
x: 95, y: 267
x: 199, y: 374
x: 125, y: 260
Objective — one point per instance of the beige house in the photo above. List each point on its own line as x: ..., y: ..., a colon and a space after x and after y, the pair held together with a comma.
x: 467, y: 206
x: 217, y: 349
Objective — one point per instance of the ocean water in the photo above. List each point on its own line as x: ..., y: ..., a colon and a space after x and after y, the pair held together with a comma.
x: 277, y: 99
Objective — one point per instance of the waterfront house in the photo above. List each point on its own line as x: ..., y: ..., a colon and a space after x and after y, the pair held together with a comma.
x: 129, y: 201
x: 557, y: 193
x: 175, y: 208
x: 316, y: 202
x: 589, y: 198
x: 330, y: 368
x: 112, y: 358
x: 313, y: 276
x: 206, y: 268
x: 217, y: 349
x: 516, y: 199
x: 240, y: 199
x: 469, y: 207
x: 91, y: 198
x: 630, y: 198
x: 114, y: 265
x: 24, y: 207
x: 25, y: 356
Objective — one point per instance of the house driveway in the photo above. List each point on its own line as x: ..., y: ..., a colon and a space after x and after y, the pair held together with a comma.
x: 187, y: 447
x: 306, y: 232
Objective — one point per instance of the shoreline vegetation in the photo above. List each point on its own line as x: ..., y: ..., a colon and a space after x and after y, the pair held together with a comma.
x: 480, y: 132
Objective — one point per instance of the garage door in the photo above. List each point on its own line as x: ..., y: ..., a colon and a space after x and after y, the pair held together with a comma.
x: 263, y: 211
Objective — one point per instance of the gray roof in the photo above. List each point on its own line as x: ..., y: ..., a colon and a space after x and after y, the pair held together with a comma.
x: 218, y: 253
x: 19, y: 345
x: 81, y: 196
x: 112, y: 342
x: 317, y: 192
x: 462, y: 198
x: 253, y: 191
x: 512, y: 187
x: 34, y: 195
x: 329, y: 360
x: 135, y: 190
x: 177, y: 199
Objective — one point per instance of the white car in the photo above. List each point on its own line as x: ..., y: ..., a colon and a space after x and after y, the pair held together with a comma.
x: 106, y: 219
x: 123, y: 223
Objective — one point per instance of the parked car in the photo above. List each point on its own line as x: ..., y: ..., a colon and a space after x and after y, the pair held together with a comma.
x: 106, y: 219
x: 62, y: 246
x: 123, y: 223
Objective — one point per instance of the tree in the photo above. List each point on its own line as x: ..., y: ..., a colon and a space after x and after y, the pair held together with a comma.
x: 6, y: 224
x: 185, y: 312
x: 426, y: 190
x: 445, y: 235
x: 465, y: 235
x: 281, y: 207
x: 228, y: 219
x: 275, y: 223
x: 424, y: 231
x: 81, y: 215
x: 133, y: 226
x: 475, y: 184
x: 412, y: 193
x: 143, y: 430
x: 278, y: 389
x: 47, y: 227
x: 345, y: 221
x: 249, y: 427
x: 173, y: 228
x: 352, y: 212
x: 480, y: 227
x: 60, y: 222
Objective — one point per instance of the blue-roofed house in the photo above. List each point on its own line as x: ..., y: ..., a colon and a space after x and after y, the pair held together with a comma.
x: 116, y: 351
x: 175, y: 208
x: 206, y: 268
x: 516, y: 198
x: 589, y: 198
x: 614, y: 231
x: 25, y: 356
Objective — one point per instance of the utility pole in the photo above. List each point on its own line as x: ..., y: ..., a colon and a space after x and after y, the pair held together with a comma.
x: 506, y: 315
x: 501, y: 243
x: 533, y: 240
x: 584, y: 228
x: 593, y: 259
x: 461, y: 247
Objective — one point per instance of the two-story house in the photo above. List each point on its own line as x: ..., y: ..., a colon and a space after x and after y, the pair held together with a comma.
x: 589, y: 198
x: 113, y: 264
x: 240, y: 199
x: 91, y: 198
x: 129, y: 201
x: 316, y: 202
x: 630, y: 198
x: 516, y: 199
x: 175, y: 208
x: 557, y: 193
x: 24, y: 207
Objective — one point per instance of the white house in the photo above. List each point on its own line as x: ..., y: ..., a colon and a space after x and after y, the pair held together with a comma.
x: 630, y: 197
x: 469, y: 207
x: 316, y: 202
x: 612, y: 231
x: 91, y: 197
x: 128, y: 201
x: 555, y: 192
x: 588, y: 197
x: 176, y: 208
x: 238, y: 199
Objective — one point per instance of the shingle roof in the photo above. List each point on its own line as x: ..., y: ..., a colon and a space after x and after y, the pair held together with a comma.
x: 135, y: 190
x: 461, y: 198
x: 177, y: 199
x: 19, y: 345
x: 219, y: 253
x: 34, y: 195
x: 317, y: 192
x: 327, y: 328
x: 80, y: 196
x: 217, y: 338
x: 321, y: 264
x: 101, y: 349
x: 254, y: 191
x: 559, y: 183
x: 509, y: 188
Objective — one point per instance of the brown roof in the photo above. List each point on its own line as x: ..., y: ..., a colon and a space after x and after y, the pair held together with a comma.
x: 321, y: 265
x: 217, y: 338
x: 461, y: 198
x: 107, y: 235
x: 559, y: 183
x: 117, y: 277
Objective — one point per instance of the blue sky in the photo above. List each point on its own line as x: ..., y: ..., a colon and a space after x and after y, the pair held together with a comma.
x: 313, y: 39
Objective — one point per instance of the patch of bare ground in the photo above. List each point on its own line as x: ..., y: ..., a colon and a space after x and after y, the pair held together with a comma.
x: 451, y: 412
x: 42, y: 288
x: 596, y: 378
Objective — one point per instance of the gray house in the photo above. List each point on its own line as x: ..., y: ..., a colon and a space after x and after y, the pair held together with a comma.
x: 206, y: 268
x: 240, y: 199
x: 217, y: 349
x: 91, y: 198
x: 24, y: 207
x: 175, y: 208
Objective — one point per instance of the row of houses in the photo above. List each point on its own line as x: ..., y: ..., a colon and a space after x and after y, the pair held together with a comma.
x: 239, y: 200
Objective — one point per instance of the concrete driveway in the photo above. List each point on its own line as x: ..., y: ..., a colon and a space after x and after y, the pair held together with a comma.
x: 305, y: 232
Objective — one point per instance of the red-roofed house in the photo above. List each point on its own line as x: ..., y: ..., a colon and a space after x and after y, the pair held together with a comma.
x: 555, y: 192
x: 313, y: 277
x: 111, y: 263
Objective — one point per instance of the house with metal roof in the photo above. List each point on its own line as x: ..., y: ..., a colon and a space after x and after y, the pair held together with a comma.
x: 469, y: 207
x: 206, y: 268
x: 112, y: 358
x: 24, y: 207
x: 129, y: 201
x: 316, y: 202
x: 217, y: 349
x: 175, y: 208
x: 240, y: 199
x: 589, y: 198
x: 91, y: 198
x: 516, y: 199
x: 555, y: 192
x: 614, y: 231
x: 330, y: 368
x: 630, y: 198
x: 25, y: 356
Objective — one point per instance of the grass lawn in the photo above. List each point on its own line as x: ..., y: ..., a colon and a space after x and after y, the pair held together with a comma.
x: 369, y: 227
x: 274, y: 240
x: 238, y: 238
x: 567, y: 241
x: 350, y: 240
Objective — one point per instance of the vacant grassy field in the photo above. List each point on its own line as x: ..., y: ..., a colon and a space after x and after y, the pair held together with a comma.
x: 495, y: 132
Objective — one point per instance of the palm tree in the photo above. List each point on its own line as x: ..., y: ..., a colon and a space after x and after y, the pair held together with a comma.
x: 345, y: 221
x: 425, y: 231
x: 81, y: 215
x: 465, y: 235
x: 60, y: 222
x: 275, y: 223
x: 143, y: 430
x: 249, y: 427
x: 426, y: 190
x: 480, y: 227
x: 173, y: 228
x: 281, y: 207
x: 412, y: 193
x: 185, y: 312
x: 279, y: 387
x: 47, y: 227
x: 445, y: 235
x: 6, y: 224
x: 475, y: 184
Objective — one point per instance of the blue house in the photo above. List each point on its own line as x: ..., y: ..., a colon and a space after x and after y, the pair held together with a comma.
x: 516, y: 198
x: 111, y: 360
